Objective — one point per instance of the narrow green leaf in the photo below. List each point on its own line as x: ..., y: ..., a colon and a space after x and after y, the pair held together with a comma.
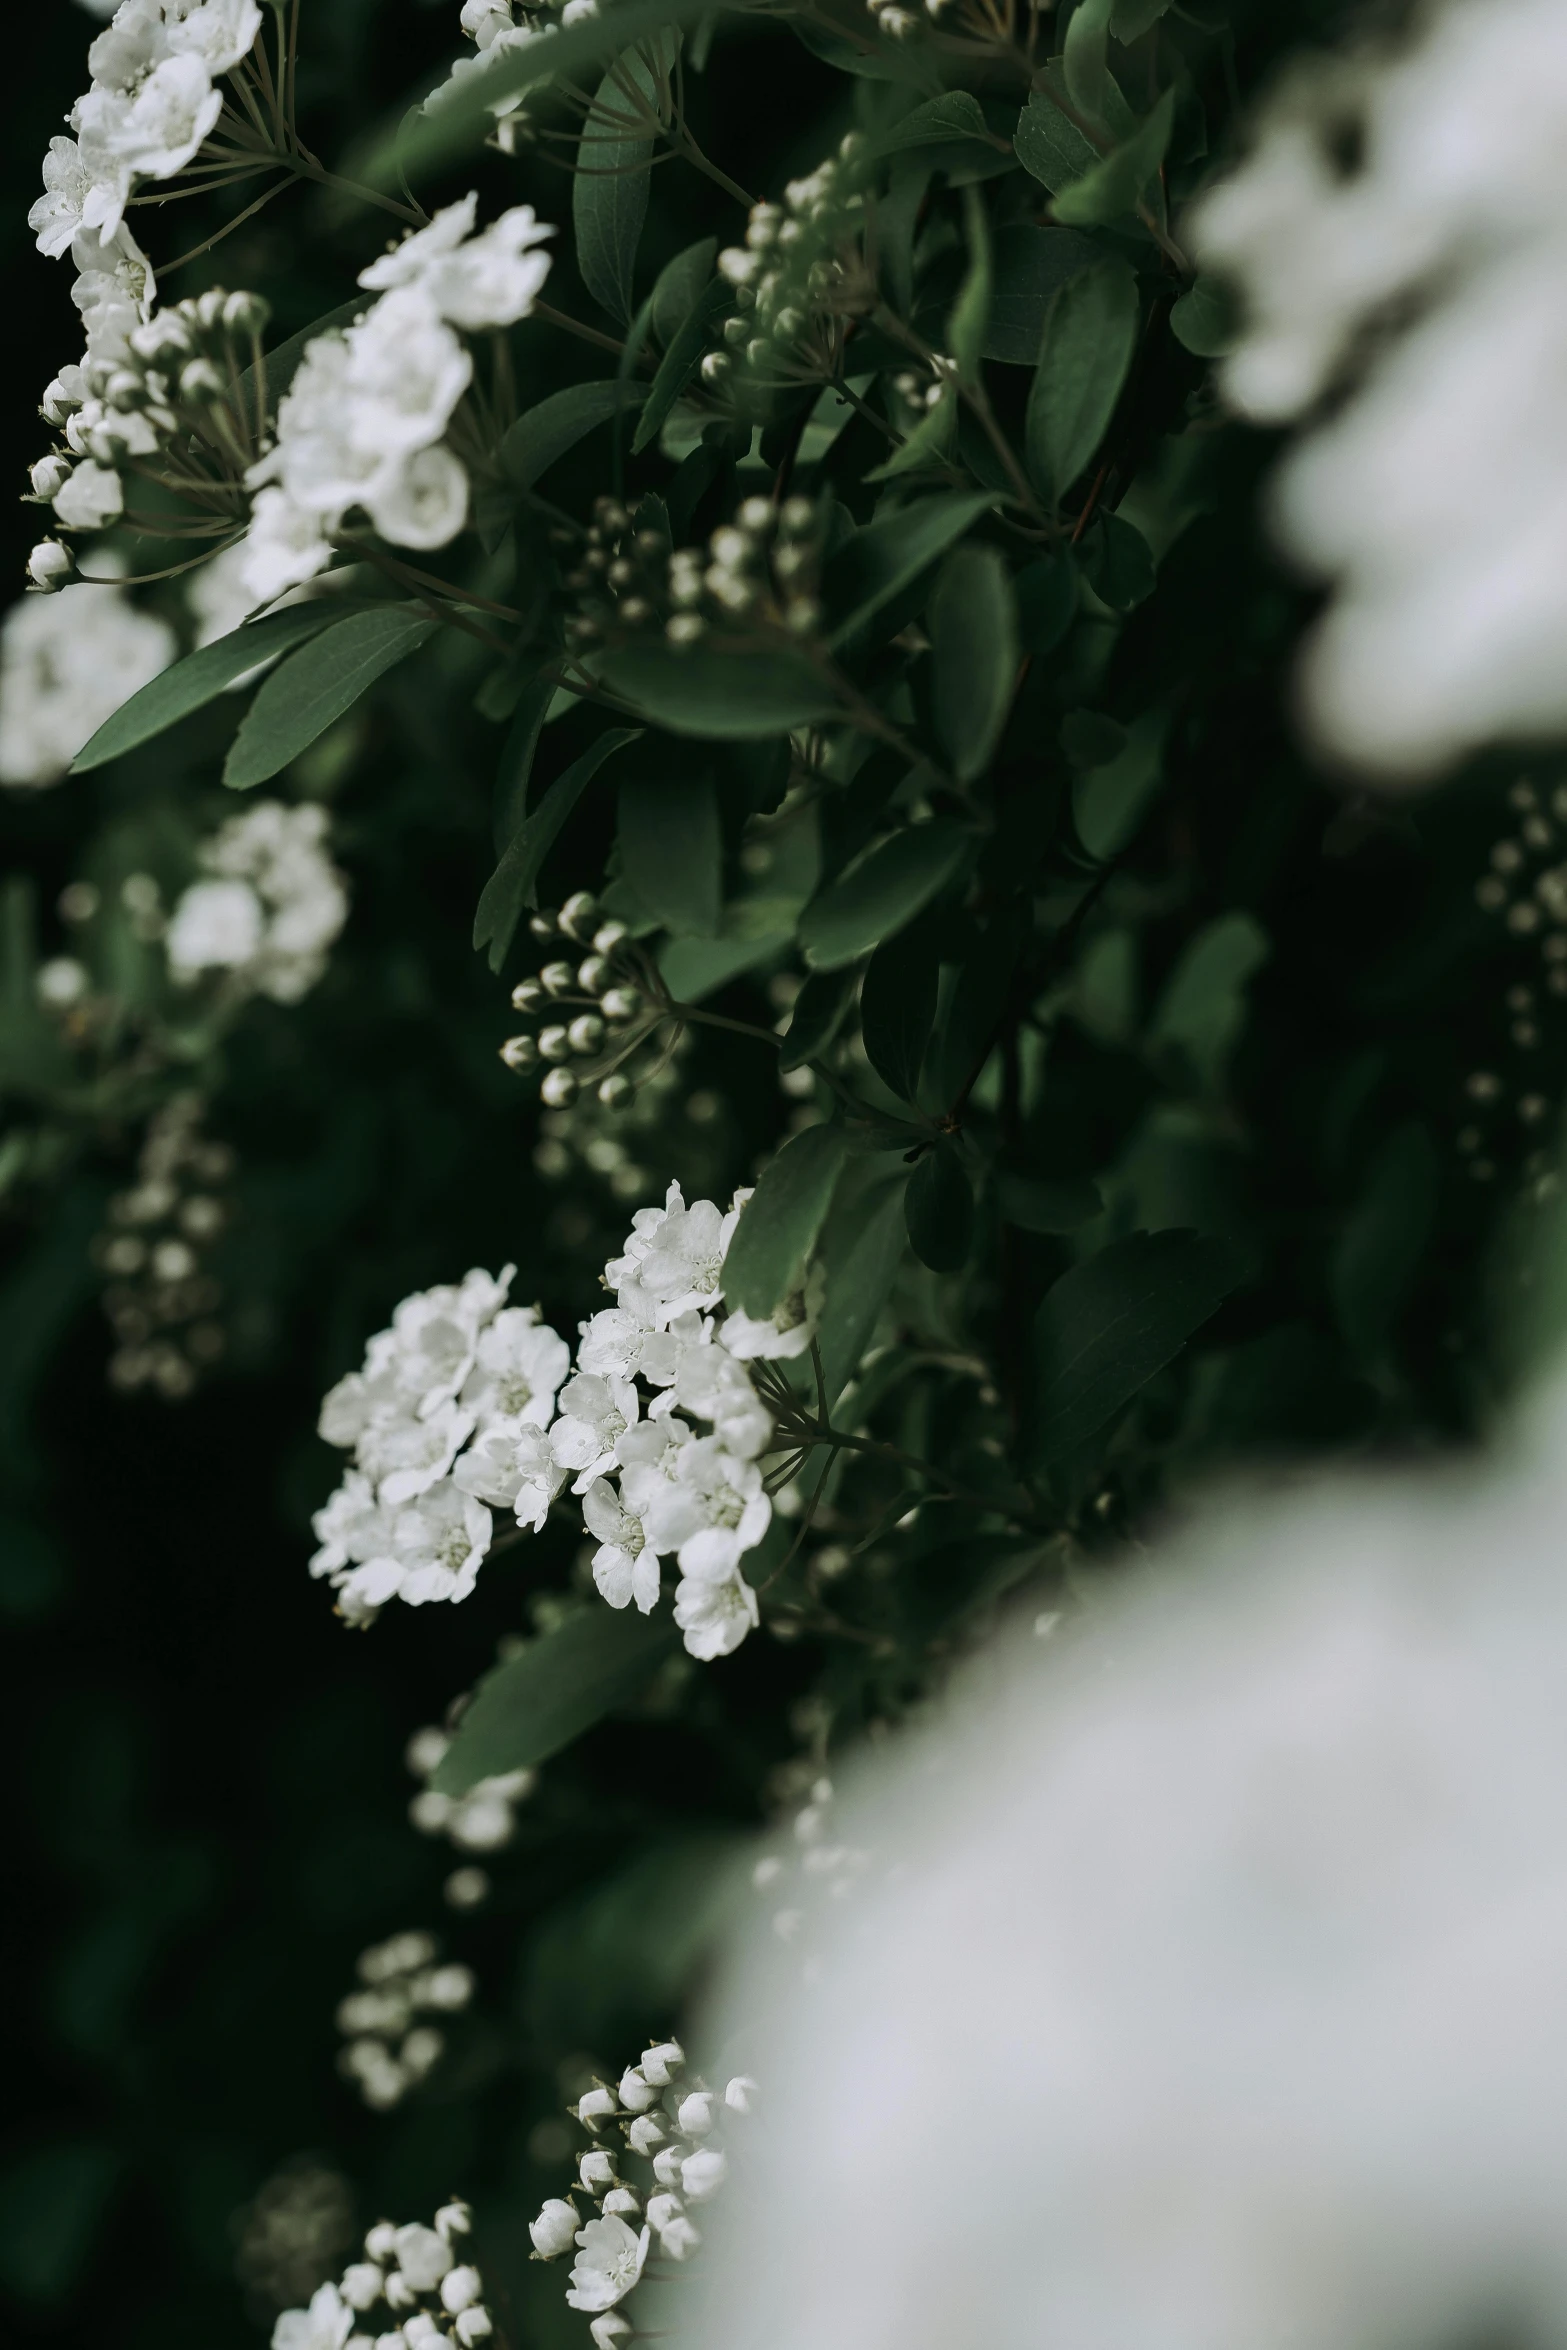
x: 1117, y: 563
x: 930, y: 442
x: 671, y: 850
x: 609, y: 192
x: 707, y: 691
x: 302, y: 697
x: 875, y: 563
x: 954, y: 116
x: 971, y: 311
x: 202, y: 676
x: 977, y: 1005
x: 1202, y: 1011
x: 514, y: 883
x: 1111, y: 798
x: 1205, y: 318
x: 546, y: 432
x: 1108, y: 1325
x: 680, y: 285
x: 898, y: 1009
x: 861, y: 1248
x: 883, y: 889
x: 1031, y: 265
x: 1130, y: 19
x: 1052, y: 148
x: 939, y: 1209
x: 819, y: 1012
x: 1083, y: 56
x: 974, y: 656
x: 681, y: 361
x: 1046, y: 593
x: 1115, y: 184
x: 1090, y: 335
x: 518, y: 752
x: 780, y: 1221
x: 550, y: 1691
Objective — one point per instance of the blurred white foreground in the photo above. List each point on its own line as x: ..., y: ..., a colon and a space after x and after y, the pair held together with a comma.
x: 1208, y: 1990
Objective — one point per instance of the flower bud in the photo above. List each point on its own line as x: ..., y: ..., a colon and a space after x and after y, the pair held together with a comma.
x: 543, y: 925
x: 696, y: 2113
x: 666, y: 2165
x: 558, y: 979
x: 526, y: 995
x: 50, y: 564
x: 381, y: 2243
x: 795, y: 517
x: 661, y: 2063
x: 200, y: 381
x: 246, y: 314
x: 622, y: 1003
x: 715, y: 367
x: 703, y: 2173
x: 555, y: 2229
x: 608, y: 936
x: 735, y: 331
x: 474, y: 2325
x: 637, y: 2092
x: 520, y: 1053
x: 615, y: 1091
x: 559, y: 1090
x: 680, y: 2239
x: 596, y: 2106
x: 58, y: 402
x: 460, y: 2288
x: 741, y: 2093
x: 454, y: 2218
x: 596, y: 2170
x: 621, y: 2203
x: 586, y: 1033
x: 578, y: 915
x: 399, y: 2292
x: 420, y: 2330
x: 610, y: 2330
x: 554, y: 1044
x: 593, y: 975
x: 362, y: 2284
x: 49, y: 475
x: 685, y: 628
x: 646, y: 2134
x: 208, y: 307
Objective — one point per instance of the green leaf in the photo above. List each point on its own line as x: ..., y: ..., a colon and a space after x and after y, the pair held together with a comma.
x: 862, y: 1246
x: 780, y: 1221
x: 1048, y: 1203
x: 1046, y: 593
x: 875, y: 563
x: 1203, y: 1008
x: 680, y: 285
x: 1090, y: 335
x: 977, y: 1005
x: 819, y: 1012
x: 518, y: 753
x: 1052, y: 148
x: 609, y: 192
x: 1031, y: 265
x: 672, y: 850
x: 1115, y: 184
x: 953, y: 117
x: 708, y: 691
x: 1384, y: 1238
x: 939, y: 1208
x: 1083, y: 56
x: 514, y: 883
x: 202, y: 676
x: 1204, y: 319
x: 552, y: 1690
x: 1117, y: 563
x: 681, y: 361
x: 974, y: 656
x: 930, y: 442
x: 971, y: 311
x: 898, y: 1009
x: 880, y: 891
x: 53, y: 2201
x: 546, y: 432
x: 302, y: 697
x: 1130, y: 19
x: 1109, y: 802
x: 1108, y: 1325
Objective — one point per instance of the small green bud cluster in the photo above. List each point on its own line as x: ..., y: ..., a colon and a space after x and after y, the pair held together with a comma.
x: 588, y: 1012
x: 161, y: 1299
x: 798, y: 275
x: 924, y: 389
x: 620, y: 574
x: 763, y: 566
x: 899, y: 22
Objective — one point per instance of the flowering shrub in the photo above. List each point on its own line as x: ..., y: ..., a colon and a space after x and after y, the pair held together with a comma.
x: 653, y: 654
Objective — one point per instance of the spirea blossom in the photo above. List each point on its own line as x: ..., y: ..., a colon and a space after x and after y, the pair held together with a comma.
x: 269, y: 907
x: 67, y: 662
x: 1430, y: 275
x: 389, y: 2049
x: 413, y: 2285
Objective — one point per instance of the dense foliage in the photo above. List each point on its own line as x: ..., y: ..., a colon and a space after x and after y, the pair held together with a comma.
x: 845, y: 597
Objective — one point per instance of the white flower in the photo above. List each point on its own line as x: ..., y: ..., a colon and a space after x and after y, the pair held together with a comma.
x: 555, y: 2229
x: 285, y: 545
x: 513, y: 1468
x: 703, y: 2173
x: 711, y: 1511
x: 623, y: 1568
x: 476, y: 282
x: 67, y: 663
x: 423, y: 503
x: 219, y: 32
x: 611, y: 1342
x: 439, y: 1542
x: 714, y: 1617
x: 151, y: 130
x: 710, y: 1383
x: 423, y: 2256
x: 405, y: 1456
x: 89, y: 497
x: 56, y: 218
x: 325, y: 2325
x: 609, y: 2262
x: 519, y: 1363
x: 217, y: 925
x: 682, y: 1266
x: 351, y: 1528
x: 594, y: 1415
x: 786, y: 1332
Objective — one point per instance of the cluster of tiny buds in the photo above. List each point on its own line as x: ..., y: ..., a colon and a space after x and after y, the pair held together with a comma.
x: 926, y: 390
x: 619, y: 569
x: 389, y: 2051
x: 411, y: 2291
x: 789, y: 282
x: 482, y: 1820
x: 899, y: 22
x: 160, y: 1300
x: 587, y: 1010
x: 763, y: 565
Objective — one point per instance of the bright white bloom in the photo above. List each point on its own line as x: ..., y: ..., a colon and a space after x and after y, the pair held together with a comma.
x: 475, y: 282
x: 710, y: 1383
x: 424, y: 503
x: 681, y: 1267
x: 56, y: 218
x: 1441, y: 251
x: 647, y: 1454
x: 285, y: 545
x: 519, y: 1363
x: 423, y: 2256
x: 623, y: 1567
x: 786, y: 1332
x: 609, y: 2263
x: 274, y: 909
x: 715, y: 1616
x: 594, y: 1414
x: 405, y: 1456
x: 325, y: 2325
x: 352, y: 1528
x: 149, y: 126
x: 555, y: 2229
x: 711, y: 1511
x: 67, y: 662
x: 440, y: 1543
x: 89, y: 498
x: 513, y: 1468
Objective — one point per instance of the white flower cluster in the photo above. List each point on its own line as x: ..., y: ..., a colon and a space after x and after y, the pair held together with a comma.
x: 670, y: 2121
x: 1434, y: 496
x: 485, y: 1818
x: 269, y: 908
x: 389, y: 2050
x: 67, y: 662
x: 456, y: 1408
x: 408, y: 1522
x: 497, y: 30
x: 363, y: 424
x: 411, y: 2291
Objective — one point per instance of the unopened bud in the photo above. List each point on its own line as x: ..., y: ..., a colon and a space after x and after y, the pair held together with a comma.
x: 608, y: 937
x: 543, y: 925
x: 200, y: 381
x: 578, y: 916
x: 637, y: 2092
x: 246, y: 314
x: 741, y: 2093
x: 622, y: 1003
x: 715, y: 367
x: 558, y: 979
x: 622, y: 2203
x: 662, y: 2062
x: 696, y: 2113
x: 49, y: 475
x: 555, y: 2229
x: 610, y: 2330
x: 586, y: 1033
x: 554, y: 1043
x: 680, y: 2239
x: 454, y: 2219
x: 593, y: 976
x: 796, y: 516
x: 559, y: 1090
x: 526, y: 995
x: 520, y: 1053
x: 50, y: 564
x: 646, y: 2134
x: 460, y: 2288
x: 474, y: 2325
x: 615, y: 1091
x: 599, y: 2103
x: 703, y: 2173
x: 381, y: 2243
x: 596, y: 2171
x: 362, y: 2284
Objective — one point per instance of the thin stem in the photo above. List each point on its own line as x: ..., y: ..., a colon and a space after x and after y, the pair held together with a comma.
x: 146, y: 578
x: 685, y: 144
x: 720, y: 1020
x: 436, y: 609
x: 446, y: 587
x: 575, y: 326
x: 228, y: 228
